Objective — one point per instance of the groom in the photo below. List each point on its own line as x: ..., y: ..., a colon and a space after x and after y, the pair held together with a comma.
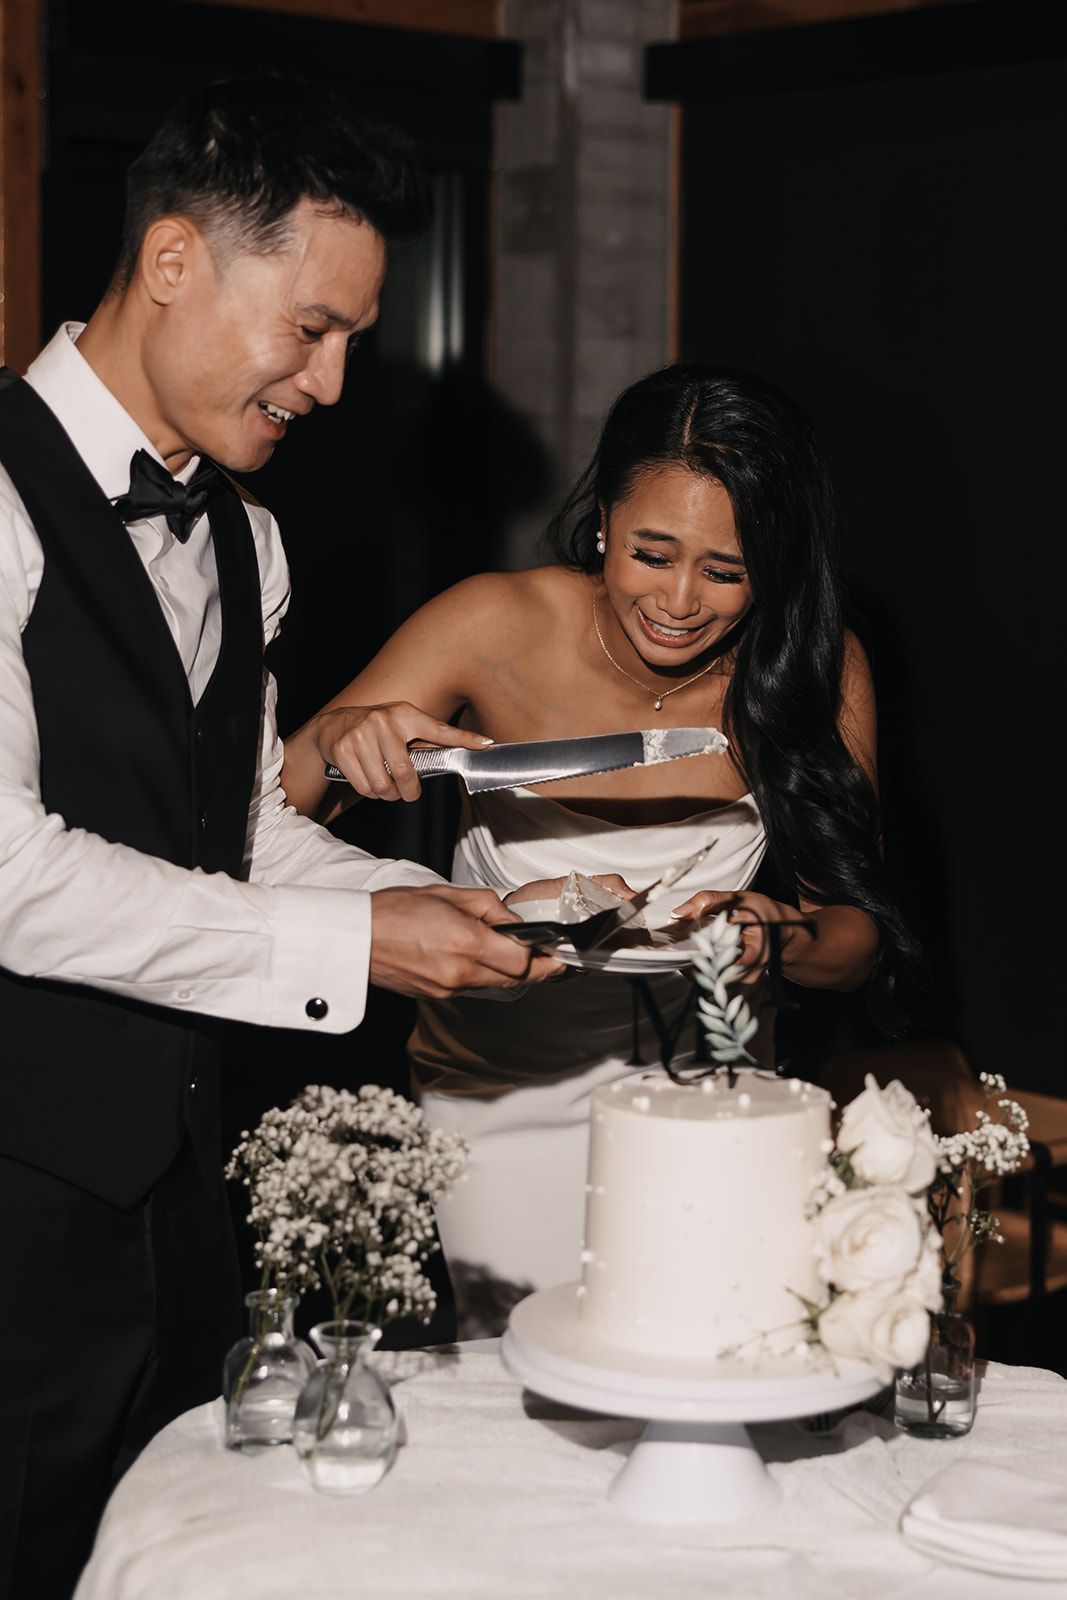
x: 152, y: 880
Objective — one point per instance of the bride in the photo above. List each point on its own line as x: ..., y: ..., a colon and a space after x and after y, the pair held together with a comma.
x: 695, y: 586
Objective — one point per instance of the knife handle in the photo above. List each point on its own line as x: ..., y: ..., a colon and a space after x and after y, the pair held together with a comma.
x: 427, y: 763
x: 544, y: 934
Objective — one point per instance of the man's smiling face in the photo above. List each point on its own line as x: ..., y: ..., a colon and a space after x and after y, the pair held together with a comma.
x: 256, y: 340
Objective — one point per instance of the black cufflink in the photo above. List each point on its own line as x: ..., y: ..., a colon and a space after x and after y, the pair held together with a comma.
x: 316, y: 1009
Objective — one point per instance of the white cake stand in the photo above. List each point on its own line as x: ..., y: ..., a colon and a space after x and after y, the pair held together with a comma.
x: 695, y: 1461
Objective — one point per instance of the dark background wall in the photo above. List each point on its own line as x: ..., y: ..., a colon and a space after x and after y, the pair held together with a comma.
x: 879, y: 229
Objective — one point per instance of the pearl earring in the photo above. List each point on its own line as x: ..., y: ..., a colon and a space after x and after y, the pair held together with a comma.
x: 600, y: 545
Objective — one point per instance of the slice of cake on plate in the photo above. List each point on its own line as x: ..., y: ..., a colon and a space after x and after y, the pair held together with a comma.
x: 582, y: 897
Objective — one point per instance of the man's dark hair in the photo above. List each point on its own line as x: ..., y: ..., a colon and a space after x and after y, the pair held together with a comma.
x: 237, y: 156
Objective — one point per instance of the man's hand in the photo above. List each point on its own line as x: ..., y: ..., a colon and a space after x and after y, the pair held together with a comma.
x: 438, y: 941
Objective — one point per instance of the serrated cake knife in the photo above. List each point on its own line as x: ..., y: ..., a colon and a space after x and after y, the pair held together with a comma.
x: 511, y: 766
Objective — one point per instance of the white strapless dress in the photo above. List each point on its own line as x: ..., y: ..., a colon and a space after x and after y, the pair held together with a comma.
x: 514, y: 1075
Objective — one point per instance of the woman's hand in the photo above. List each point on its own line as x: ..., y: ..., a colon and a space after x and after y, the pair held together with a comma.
x: 839, y: 953
x: 747, y: 911
x: 370, y: 745
x: 552, y: 888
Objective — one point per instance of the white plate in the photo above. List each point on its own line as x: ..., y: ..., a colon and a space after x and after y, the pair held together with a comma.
x: 672, y: 944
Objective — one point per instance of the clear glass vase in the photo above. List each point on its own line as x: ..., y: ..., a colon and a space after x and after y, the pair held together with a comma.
x: 935, y: 1400
x: 263, y: 1374
x: 345, y: 1429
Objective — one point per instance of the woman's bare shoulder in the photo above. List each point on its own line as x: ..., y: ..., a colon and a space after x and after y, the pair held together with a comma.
x: 856, y: 680
x: 493, y: 605
x: 858, y: 716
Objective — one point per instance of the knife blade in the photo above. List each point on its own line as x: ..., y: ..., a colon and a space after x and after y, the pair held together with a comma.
x: 509, y: 766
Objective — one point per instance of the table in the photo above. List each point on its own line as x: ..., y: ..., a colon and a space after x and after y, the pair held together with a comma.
x: 496, y: 1493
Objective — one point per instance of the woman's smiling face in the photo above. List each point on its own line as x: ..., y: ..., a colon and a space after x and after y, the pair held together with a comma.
x: 673, y: 571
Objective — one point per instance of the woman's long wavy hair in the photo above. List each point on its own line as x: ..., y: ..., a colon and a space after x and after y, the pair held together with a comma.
x: 819, y: 808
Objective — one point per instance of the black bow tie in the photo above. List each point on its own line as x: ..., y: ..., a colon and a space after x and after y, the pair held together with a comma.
x: 153, y: 490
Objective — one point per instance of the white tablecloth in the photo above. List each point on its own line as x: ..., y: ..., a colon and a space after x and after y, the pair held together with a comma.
x: 497, y: 1494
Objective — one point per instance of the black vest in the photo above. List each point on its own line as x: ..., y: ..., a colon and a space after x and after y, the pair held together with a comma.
x: 95, y: 1088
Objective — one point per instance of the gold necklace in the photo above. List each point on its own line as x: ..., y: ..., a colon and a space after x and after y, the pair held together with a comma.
x: 657, y: 699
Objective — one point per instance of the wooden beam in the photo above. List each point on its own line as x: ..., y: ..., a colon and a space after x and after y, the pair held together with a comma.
x: 20, y: 182
x: 474, y: 17
x: 711, y: 19
x: 910, y: 41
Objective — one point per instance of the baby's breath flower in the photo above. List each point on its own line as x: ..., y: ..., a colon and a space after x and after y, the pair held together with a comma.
x: 968, y: 1162
x: 342, y: 1187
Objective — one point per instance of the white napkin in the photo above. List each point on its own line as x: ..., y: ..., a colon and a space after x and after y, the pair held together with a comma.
x: 1001, y: 1519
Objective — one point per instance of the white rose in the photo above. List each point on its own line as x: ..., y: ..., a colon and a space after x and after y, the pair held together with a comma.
x: 886, y: 1135
x: 870, y: 1239
x: 887, y: 1333
x: 900, y: 1332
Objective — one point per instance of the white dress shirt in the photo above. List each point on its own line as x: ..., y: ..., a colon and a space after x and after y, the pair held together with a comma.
x: 77, y: 908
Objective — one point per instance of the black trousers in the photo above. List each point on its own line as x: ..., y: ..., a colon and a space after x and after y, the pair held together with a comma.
x: 111, y: 1324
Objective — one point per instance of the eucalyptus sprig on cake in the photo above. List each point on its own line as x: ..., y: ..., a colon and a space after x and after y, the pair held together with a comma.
x: 728, y: 1020
x: 342, y: 1188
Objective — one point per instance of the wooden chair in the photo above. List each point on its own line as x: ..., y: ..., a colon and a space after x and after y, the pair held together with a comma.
x: 1036, y: 1235
x: 1032, y: 1262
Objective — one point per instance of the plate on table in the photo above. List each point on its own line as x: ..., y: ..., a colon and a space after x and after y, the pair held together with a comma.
x: 664, y: 946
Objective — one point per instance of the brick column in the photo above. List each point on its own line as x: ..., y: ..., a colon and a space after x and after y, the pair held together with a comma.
x: 584, y: 223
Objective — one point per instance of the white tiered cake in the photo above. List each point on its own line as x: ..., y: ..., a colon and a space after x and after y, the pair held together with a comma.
x: 697, y: 1238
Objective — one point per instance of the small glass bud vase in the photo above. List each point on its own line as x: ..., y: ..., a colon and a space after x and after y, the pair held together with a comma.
x: 264, y: 1373
x: 935, y: 1400
x: 346, y: 1425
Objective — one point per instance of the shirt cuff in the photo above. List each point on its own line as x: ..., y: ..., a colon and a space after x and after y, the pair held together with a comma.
x: 321, y: 959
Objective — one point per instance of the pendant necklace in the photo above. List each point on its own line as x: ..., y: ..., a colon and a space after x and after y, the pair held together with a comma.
x: 657, y: 699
